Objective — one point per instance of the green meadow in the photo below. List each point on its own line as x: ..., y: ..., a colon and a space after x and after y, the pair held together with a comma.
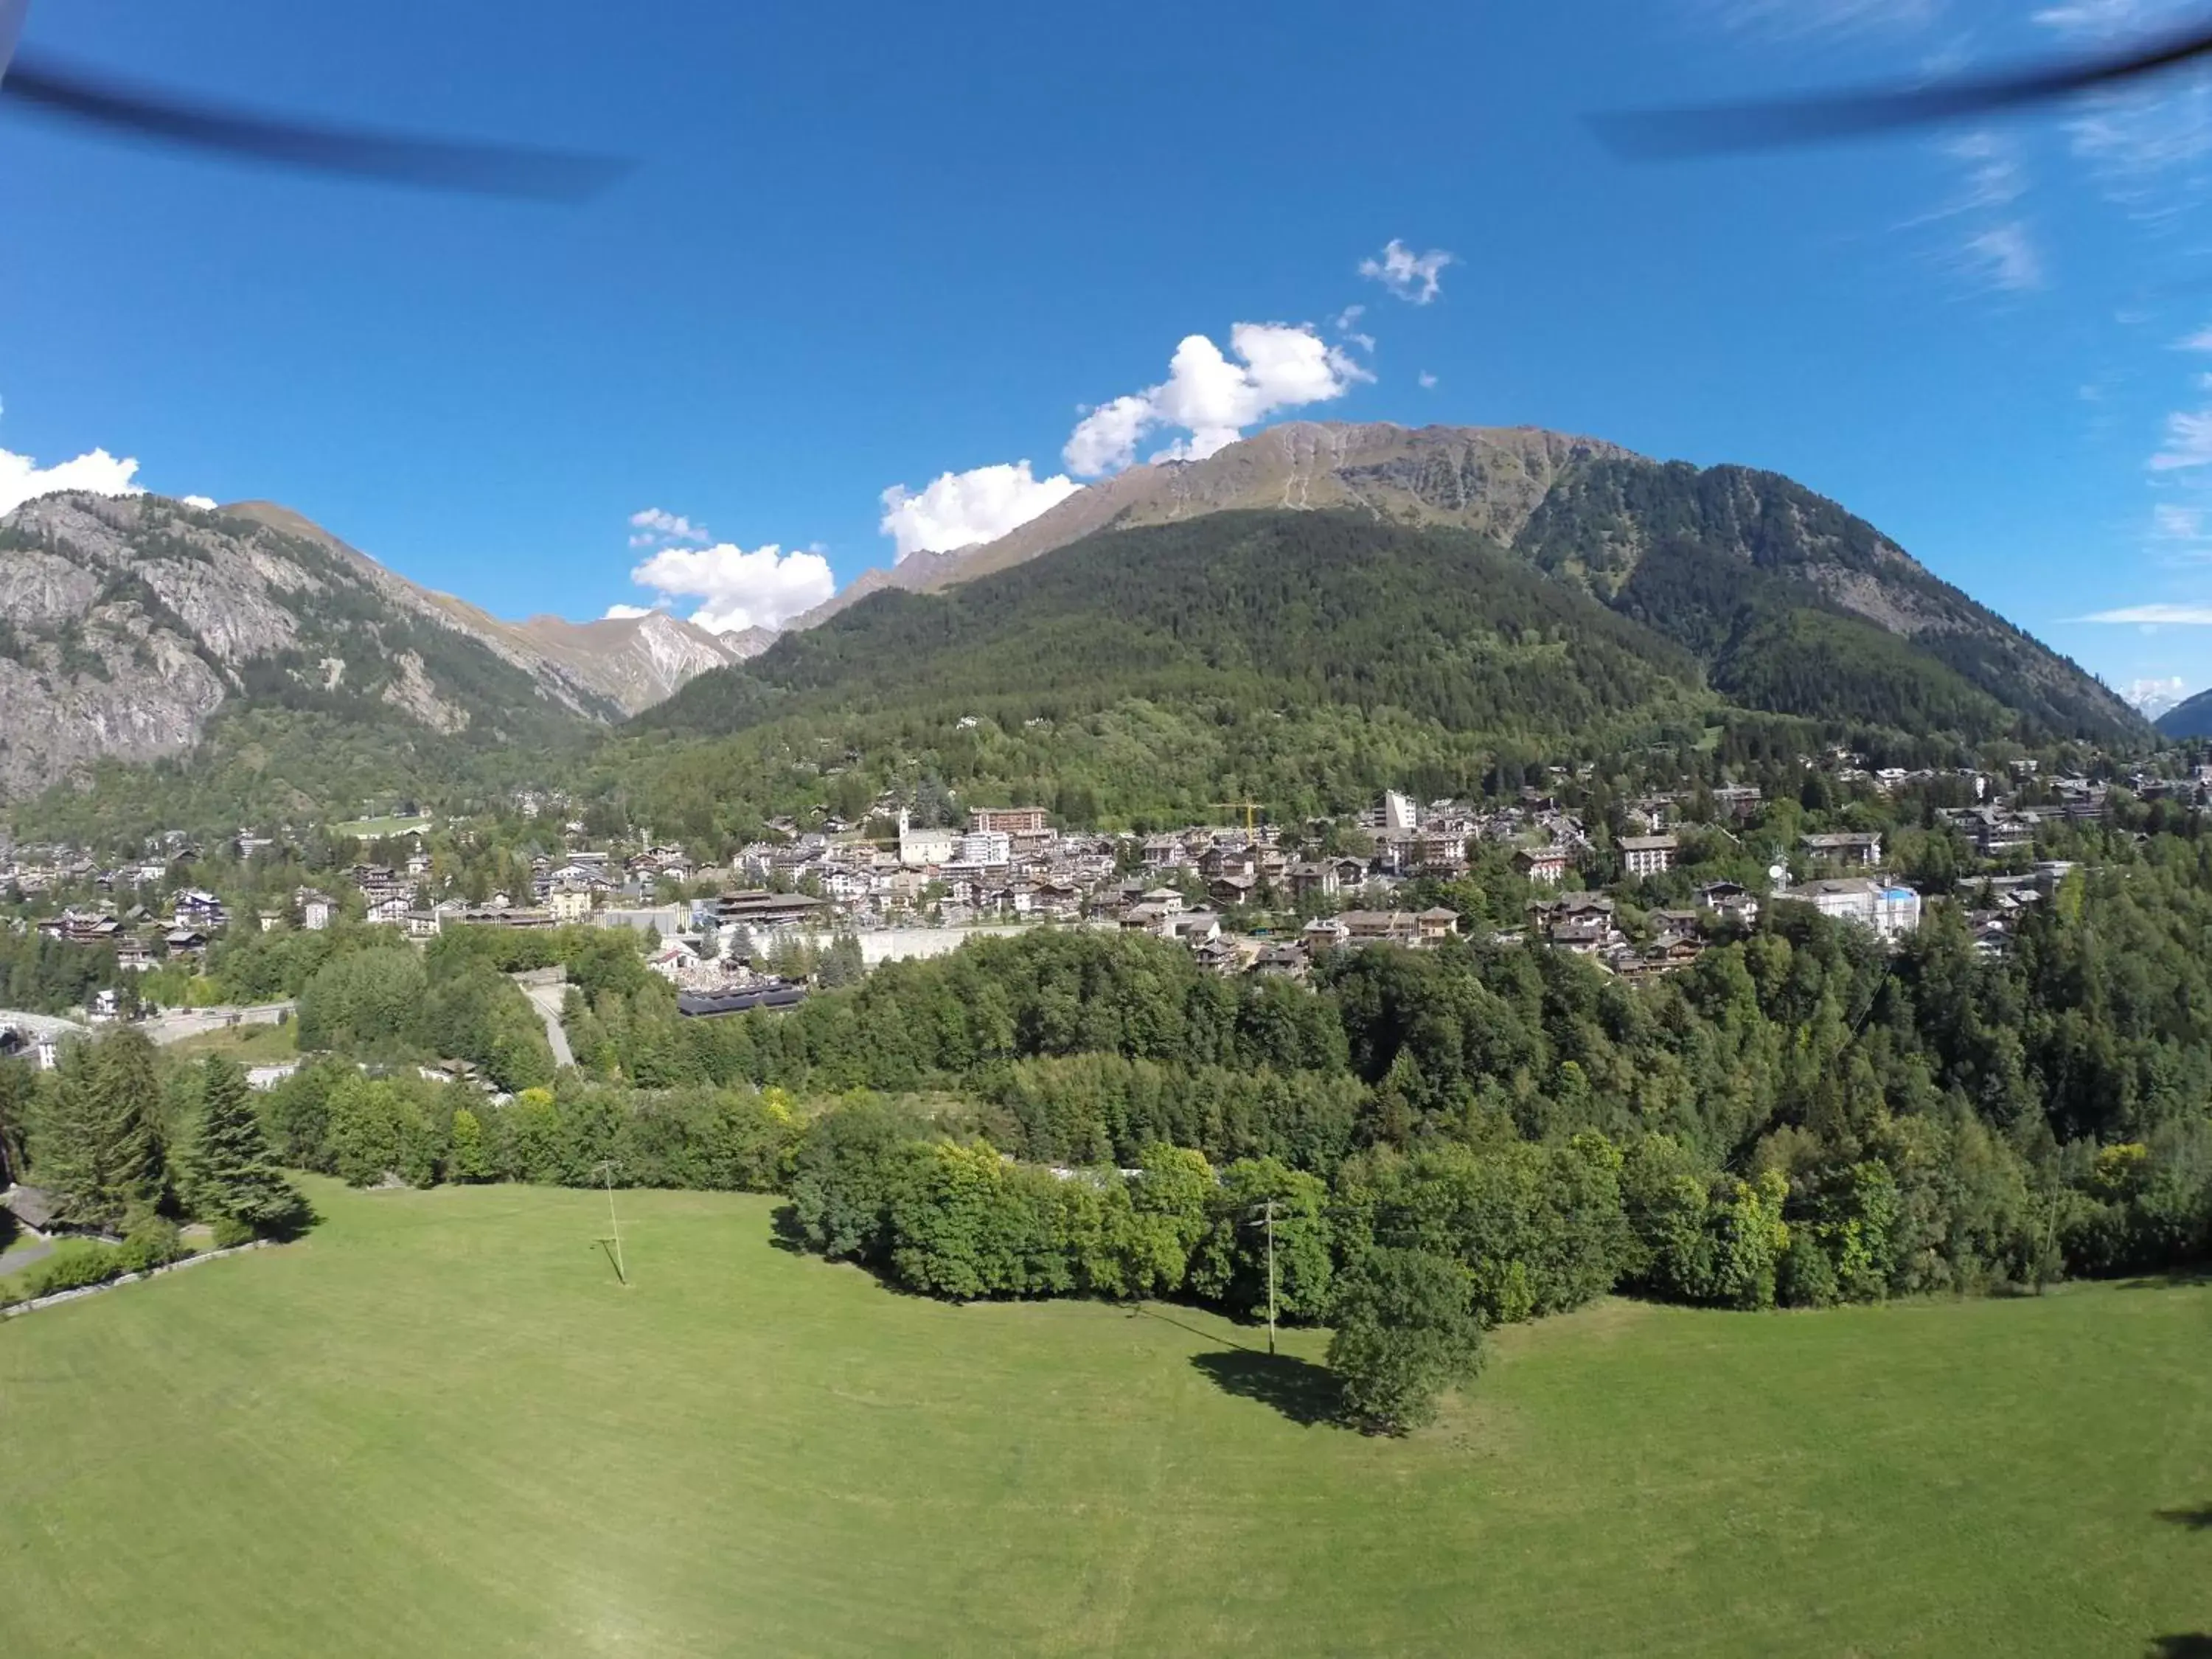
x: 439, y: 1425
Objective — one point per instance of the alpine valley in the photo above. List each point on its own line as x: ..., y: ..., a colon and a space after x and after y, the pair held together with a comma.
x: 1304, y: 617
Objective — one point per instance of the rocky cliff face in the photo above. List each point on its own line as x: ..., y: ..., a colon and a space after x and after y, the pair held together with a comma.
x: 638, y: 660
x: 127, y: 625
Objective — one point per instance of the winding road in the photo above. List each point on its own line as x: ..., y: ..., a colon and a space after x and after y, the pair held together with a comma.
x: 548, y: 998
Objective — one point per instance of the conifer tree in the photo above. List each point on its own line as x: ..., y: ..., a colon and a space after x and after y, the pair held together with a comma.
x: 231, y: 1172
x: 100, y: 1145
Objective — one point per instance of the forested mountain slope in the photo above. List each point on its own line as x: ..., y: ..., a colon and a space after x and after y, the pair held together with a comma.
x: 1298, y: 657
x: 1293, y: 608
x: 1798, y: 606
x: 1793, y: 604
x: 2190, y: 719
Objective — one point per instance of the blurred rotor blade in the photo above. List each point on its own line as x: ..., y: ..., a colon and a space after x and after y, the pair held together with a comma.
x: 1772, y: 123
x: 12, y: 13
x: 139, y: 112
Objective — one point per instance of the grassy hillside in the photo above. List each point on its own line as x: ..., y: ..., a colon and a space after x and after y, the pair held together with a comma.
x: 438, y: 1426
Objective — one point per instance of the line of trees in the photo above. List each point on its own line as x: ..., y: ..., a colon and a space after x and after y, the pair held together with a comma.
x: 128, y: 1149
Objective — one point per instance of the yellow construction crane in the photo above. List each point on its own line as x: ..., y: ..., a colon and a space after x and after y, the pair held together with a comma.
x: 1250, y: 809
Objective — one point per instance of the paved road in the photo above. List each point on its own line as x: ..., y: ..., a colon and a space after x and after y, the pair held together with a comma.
x: 548, y: 999
x: 181, y: 1023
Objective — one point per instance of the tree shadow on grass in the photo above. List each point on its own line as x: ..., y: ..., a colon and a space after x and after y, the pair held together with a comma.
x: 785, y: 1234
x: 2193, y: 1644
x: 2168, y: 1278
x: 1301, y: 1390
x: 1145, y: 1310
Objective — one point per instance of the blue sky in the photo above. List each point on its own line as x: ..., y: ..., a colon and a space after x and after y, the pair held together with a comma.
x: 868, y: 246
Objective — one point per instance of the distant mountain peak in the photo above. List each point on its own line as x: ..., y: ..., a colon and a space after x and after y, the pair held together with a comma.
x: 1488, y: 478
x: 128, y: 623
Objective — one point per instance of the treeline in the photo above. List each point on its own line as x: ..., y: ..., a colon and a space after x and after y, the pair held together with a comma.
x: 332, y: 1118
x: 1987, y: 1093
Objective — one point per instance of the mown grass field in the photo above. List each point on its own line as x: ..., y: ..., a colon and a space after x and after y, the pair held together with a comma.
x: 372, y: 828
x: 438, y: 1426
x: 249, y: 1045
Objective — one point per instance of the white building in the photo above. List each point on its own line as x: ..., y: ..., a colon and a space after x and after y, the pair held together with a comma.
x: 1891, y: 911
x: 986, y: 847
x: 1399, y: 811
x: 1648, y: 855
x: 918, y: 848
x: 569, y: 904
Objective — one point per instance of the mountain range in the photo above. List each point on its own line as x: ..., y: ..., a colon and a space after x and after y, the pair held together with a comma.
x: 1474, y: 586
x: 1789, y: 603
x: 128, y: 625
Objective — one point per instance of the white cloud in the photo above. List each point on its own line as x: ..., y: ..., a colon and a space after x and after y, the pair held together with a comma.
x: 2152, y: 698
x: 763, y: 588
x: 1348, y: 316
x: 202, y: 502
x: 959, y: 509
x: 2005, y: 257
x: 1801, y: 17
x: 22, y: 479
x: 2200, y: 341
x: 2155, y: 616
x: 1995, y: 177
x: 624, y: 612
x: 2188, y: 441
x: 1411, y: 276
x: 1212, y: 398
x: 2100, y: 18
x: 653, y: 526
x: 2169, y: 523
x: 1426, y: 381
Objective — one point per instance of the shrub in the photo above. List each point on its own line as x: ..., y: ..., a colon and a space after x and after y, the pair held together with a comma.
x: 75, y: 1264
x: 230, y: 1232
x: 1806, y: 1277
x: 1407, y: 1330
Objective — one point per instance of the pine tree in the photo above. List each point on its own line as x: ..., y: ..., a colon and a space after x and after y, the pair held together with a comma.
x: 126, y: 1093
x: 231, y: 1173
x: 100, y: 1143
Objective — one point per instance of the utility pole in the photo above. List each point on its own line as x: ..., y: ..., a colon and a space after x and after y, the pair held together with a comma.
x: 606, y: 1167
x: 1266, y: 1210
